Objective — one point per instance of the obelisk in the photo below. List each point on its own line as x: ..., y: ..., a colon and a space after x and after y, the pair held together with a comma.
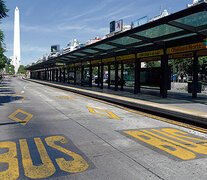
x: 16, y: 53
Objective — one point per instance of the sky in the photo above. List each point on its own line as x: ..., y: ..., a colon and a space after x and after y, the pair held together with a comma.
x: 49, y: 22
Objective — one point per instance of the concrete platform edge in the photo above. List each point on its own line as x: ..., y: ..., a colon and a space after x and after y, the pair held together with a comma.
x: 188, y: 116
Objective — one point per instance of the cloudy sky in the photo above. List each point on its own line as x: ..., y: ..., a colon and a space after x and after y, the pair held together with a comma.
x: 48, y: 22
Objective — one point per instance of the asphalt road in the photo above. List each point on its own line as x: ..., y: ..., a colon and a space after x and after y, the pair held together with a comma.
x: 51, y: 133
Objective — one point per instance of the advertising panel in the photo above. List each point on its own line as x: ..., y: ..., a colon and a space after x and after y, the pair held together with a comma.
x: 112, y: 26
x: 55, y: 48
x: 119, y: 25
x: 139, y: 22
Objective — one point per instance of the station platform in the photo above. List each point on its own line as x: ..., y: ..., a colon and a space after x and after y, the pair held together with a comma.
x: 176, y: 106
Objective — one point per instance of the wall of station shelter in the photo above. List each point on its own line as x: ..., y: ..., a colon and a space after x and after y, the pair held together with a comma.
x: 125, y: 71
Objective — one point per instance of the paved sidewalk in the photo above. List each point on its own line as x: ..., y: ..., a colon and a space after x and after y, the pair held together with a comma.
x: 178, y: 105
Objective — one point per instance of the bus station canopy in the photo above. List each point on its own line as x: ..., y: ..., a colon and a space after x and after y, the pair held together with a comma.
x: 186, y: 27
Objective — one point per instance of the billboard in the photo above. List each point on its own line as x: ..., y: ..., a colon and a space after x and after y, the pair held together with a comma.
x: 119, y: 25
x: 112, y: 26
x: 139, y: 22
x: 55, y: 48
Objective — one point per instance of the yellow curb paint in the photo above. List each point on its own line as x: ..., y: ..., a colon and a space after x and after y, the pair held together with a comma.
x: 111, y: 115
x: 21, y: 121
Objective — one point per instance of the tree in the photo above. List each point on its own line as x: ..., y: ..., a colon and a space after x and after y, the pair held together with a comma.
x: 21, y: 70
x: 9, y: 69
x: 3, y: 14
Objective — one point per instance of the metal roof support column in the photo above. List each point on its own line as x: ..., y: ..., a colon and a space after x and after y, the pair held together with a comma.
x: 122, y: 76
x: 195, y: 75
x: 90, y: 74
x: 74, y: 75
x: 53, y: 76
x: 98, y: 80
x: 109, y: 76
x: 102, y: 72
x: 45, y: 78
x: 82, y: 74
x: 50, y: 74
x: 60, y: 75
x: 68, y: 70
x: 31, y: 73
x: 137, y: 69
x: 63, y: 75
x: 56, y: 77
x: 116, y: 74
x: 164, y: 75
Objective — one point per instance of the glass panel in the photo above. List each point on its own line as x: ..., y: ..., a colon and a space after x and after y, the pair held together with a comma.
x: 144, y: 45
x: 126, y: 40
x: 79, y: 54
x: 195, y: 20
x: 89, y: 51
x: 178, y: 37
x: 120, y: 50
x: 70, y: 56
x: 105, y: 46
x: 158, y: 31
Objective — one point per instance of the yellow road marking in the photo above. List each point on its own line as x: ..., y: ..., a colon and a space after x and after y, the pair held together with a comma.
x: 44, y: 170
x: 78, y: 164
x: 111, y: 115
x: 21, y: 121
x: 141, y: 113
x: 46, y: 164
x: 163, y: 145
x: 10, y: 158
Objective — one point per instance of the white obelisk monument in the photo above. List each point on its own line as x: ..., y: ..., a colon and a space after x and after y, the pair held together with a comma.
x: 16, y: 54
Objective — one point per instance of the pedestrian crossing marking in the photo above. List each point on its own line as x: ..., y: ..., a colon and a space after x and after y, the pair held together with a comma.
x: 109, y: 113
x: 21, y: 121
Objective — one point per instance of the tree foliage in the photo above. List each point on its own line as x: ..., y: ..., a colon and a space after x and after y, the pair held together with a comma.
x: 21, y: 70
x: 3, y: 14
x: 9, y: 69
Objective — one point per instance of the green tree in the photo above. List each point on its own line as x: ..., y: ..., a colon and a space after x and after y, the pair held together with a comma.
x: 21, y: 70
x: 9, y: 69
x: 3, y: 14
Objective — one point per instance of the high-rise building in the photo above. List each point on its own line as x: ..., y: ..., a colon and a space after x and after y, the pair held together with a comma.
x: 16, y: 61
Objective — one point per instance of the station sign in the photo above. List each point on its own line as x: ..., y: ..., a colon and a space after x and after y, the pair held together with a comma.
x: 96, y: 61
x: 150, y: 53
x: 185, y: 48
x: 60, y: 64
x: 108, y: 59
x: 182, y: 55
x: 125, y: 57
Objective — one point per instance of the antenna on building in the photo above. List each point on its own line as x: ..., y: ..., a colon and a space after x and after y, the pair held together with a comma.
x: 160, y: 9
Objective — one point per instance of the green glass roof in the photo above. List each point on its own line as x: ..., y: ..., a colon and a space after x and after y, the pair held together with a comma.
x: 120, y: 50
x: 89, y: 51
x: 194, y: 20
x: 158, y: 31
x: 79, y: 54
x: 126, y: 40
x: 178, y: 37
x: 105, y: 47
x: 144, y: 45
x: 70, y: 56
